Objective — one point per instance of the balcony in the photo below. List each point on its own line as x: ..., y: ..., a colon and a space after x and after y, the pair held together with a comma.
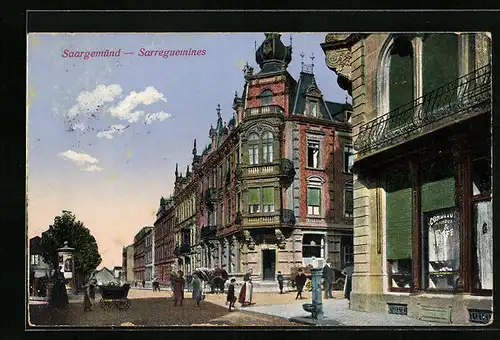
x: 284, y: 217
x: 208, y: 232
x: 264, y: 110
x: 185, y: 248
x: 210, y: 195
x: 458, y: 100
x: 284, y: 169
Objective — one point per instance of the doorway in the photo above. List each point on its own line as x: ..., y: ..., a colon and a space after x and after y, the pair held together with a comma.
x: 269, y: 264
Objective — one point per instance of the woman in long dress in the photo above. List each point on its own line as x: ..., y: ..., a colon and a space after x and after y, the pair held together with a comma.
x: 179, y: 284
x: 59, y: 295
x: 245, y: 297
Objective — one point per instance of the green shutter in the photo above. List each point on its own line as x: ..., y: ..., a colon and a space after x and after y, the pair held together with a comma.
x: 313, y: 196
x: 400, y: 83
x: 348, y: 201
x: 268, y: 196
x: 254, y: 196
x: 438, y: 185
x: 399, y: 215
x: 440, y: 62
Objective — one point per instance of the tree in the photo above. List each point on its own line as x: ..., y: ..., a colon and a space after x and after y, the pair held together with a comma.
x: 67, y: 228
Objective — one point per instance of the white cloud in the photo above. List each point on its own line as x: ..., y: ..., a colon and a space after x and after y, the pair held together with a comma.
x: 79, y: 159
x: 79, y: 126
x: 92, y: 168
x: 108, y: 134
x: 125, y: 109
x: 160, y: 116
x: 90, y: 100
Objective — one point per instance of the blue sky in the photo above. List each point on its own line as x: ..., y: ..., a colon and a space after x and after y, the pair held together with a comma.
x: 87, y: 153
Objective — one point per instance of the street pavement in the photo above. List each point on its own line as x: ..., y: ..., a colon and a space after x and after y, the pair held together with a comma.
x: 150, y: 308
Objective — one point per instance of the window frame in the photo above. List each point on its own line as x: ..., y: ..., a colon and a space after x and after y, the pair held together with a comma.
x: 315, y: 183
x: 253, y: 142
x: 348, y: 155
x: 310, y: 142
x: 348, y: 186
x: 267, y: 147
x: 266, y: 97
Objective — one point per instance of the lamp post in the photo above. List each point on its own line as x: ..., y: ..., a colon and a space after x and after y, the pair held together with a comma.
x: 66, y: 266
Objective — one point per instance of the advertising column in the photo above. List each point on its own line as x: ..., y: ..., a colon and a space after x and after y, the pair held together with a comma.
x: 66, y: 266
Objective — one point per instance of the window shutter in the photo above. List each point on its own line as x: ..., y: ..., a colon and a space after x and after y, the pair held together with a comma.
x: 399, y: 215
x: 268, y: 196
x: 440, y: 62
x: 401, y: 89
x: 348, y: 201
x: 438, y: 188
x: 313, y: 196
x: 254, y: 196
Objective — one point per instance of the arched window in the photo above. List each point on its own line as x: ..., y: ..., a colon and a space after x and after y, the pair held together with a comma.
x: 266, y: 97
x: 314, y: 195
x: 253, y: 149
x: 267, y: 147
x: 401, y: 85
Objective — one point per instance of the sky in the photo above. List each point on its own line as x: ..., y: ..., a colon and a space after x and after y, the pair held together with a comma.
x: 104, y: 134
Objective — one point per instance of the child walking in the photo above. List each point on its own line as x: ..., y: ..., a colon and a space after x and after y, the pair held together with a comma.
x: 231, y: 297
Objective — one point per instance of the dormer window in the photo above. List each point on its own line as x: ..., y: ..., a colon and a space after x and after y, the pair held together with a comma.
x: 313, y: 108
x: 266, y: 97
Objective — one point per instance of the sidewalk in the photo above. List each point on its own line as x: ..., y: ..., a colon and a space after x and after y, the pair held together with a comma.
x: 336, y: 313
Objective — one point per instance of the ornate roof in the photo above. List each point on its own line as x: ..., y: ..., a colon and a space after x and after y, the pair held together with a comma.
x: 272, y: 55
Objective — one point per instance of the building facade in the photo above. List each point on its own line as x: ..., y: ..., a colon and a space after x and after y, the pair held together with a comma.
x: 128, y: 263
x: 422, y: 184
x: 165, y: 260
x: 39, y: 270
x: 149, y: 253
x: 273, y: 188
x: 140, y: 251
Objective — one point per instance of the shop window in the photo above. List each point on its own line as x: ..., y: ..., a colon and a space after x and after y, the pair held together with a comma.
x: 483, y: 230
x: 312, y: 245
x: 267, y: 147
x: 253, y: 149
x: 399, y: 225
x: 313, y: 160
x: 266, y: 97
x: 441, y: 234
x: 254, y: 200
x: 268, y: 199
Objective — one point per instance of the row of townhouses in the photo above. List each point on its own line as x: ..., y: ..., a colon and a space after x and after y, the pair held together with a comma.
x: 272, y: 189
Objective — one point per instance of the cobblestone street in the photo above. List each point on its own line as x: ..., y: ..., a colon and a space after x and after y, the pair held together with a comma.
x: 152, y: 309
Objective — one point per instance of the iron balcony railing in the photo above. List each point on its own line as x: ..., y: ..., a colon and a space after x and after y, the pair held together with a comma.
x: 459, y: 99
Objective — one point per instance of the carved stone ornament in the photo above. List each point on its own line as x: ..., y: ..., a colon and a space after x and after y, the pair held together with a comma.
x: 339, y: 60
x: 334, y: 37
x: 248, y: 239
x: 280, y: 239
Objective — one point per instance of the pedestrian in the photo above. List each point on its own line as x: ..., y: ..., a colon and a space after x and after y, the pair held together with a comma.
x: 231, y: 296
x: 87, y: 304
x: 59, y: 295
x: 179, y: 284
x: 246, y: 292
x: 92, y: 288
x: 328, y: 280
x: 156, y: 285
x: 279, y: 277
x: 143, y: 283
x: 197, y: 291
x: 300, y: 281
x: 347, y: 272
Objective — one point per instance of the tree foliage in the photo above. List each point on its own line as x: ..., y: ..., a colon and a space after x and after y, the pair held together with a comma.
x: 67, y: 228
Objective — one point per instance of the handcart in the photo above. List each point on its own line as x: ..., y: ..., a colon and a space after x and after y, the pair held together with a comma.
x: 114, y: 297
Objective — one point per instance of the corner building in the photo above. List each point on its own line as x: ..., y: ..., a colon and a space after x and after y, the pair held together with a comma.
x: 422, y: 186
x: 273, y: 189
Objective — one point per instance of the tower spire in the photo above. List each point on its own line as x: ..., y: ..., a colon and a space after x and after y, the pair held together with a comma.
x: 302, y: 55
x: 312, y: 61
x: 176, y: 170
x: 218, y: 110
x: 194, y: 148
